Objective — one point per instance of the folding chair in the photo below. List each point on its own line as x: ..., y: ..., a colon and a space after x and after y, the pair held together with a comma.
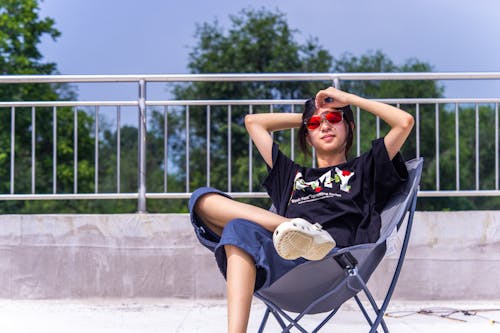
x: 323, y: 286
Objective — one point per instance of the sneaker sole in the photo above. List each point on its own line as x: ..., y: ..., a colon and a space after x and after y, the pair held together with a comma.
x: 293, y: 244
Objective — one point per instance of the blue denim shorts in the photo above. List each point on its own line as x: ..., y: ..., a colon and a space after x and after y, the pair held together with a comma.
x: 247, y: 235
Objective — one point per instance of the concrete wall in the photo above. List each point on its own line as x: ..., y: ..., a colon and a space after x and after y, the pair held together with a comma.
x: 453, y: 255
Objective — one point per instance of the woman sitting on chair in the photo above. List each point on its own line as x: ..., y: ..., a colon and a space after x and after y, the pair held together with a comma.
x: 336, y: 204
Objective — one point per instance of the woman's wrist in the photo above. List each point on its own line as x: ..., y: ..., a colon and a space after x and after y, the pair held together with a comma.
x: 352, y: 99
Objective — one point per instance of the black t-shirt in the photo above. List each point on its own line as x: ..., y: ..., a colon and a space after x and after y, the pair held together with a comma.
x: 345, y: 199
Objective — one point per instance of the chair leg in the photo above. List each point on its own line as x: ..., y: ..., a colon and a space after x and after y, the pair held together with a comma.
x: 363, y: 310
x: 264, y: 321
x: 280, y: 321
x: 279, y: 315
x: 327, y: 318
x: 293, y: 323
x: 379, y: 320
x: 399, y: 265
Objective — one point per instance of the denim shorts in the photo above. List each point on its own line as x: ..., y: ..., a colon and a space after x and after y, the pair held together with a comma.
x: 247, y: 235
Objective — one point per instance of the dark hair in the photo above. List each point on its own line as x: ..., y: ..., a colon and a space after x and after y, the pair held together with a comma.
x: 309, y: 109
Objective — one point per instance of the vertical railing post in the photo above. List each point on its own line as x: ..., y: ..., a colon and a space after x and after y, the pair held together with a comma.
x: 33, y: 149
x: 75, y: 150
x: 12, y: 147
x: 54, y: 149
x: 141, y: 202
x: 336, y: 83
x: 96, y: 149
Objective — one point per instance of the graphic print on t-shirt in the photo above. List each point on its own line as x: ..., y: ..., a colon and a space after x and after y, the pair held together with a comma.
x: 315, y: 190
x: 344, y: 176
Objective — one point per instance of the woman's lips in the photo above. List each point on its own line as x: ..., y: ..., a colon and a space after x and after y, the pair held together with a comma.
x: 328, y: 137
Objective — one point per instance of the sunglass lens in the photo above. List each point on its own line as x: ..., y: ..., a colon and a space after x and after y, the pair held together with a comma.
x: 334, y: 117
x: 313, y: 123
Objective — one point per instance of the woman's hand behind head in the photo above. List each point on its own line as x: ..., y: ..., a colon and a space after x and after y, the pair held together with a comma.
x: 331, y: 98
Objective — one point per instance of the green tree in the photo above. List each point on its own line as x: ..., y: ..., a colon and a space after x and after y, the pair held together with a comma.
x: 257, y: 41
x: 20, y: 34
x: 21, y: 30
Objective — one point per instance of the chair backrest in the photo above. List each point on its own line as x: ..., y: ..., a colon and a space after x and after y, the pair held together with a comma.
x: 399, y: 204
x: 310, y: 281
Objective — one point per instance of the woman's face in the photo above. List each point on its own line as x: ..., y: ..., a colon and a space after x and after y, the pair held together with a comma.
x: 327, y: 131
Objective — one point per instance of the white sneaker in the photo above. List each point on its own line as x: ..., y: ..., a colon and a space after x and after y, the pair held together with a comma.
x: 299, y: 238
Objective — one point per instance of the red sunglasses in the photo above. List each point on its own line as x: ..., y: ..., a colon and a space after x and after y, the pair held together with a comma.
x: 333, y: 117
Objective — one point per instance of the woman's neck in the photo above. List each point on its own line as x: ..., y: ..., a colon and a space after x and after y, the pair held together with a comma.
x: 330, y: 160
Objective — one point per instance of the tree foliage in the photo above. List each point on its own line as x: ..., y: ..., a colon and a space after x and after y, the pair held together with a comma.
x: 258, y: 41
x: 20, y: 33
x: 21, y: 30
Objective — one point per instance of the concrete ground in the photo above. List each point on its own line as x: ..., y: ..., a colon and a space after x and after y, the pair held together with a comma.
x: 182, y: 315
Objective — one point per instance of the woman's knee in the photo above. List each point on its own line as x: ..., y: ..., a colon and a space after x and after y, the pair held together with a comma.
x: 233, y: 250
x: 200, y: 194
x: 206, y: 204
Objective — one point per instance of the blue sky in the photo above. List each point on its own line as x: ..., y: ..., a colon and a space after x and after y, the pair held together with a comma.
x: 155, y: 36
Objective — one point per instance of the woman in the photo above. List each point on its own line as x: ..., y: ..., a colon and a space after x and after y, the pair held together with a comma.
x: 254, y: 246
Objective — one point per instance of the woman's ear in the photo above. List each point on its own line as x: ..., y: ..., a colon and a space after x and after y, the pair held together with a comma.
x: 308, y: 140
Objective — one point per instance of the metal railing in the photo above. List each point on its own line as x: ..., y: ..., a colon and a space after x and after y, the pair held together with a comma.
x: 142, y: 104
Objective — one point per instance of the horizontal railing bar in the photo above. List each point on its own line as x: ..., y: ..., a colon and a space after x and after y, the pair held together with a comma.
x: 461, y: 193
x: 187, y: 195
x: 240, y: 195
x: 237, y: 195
x: 238, y: 102
x: 249, y: 77
x: 79, y: 196
x: 226, y: 102
x: 439, y: 100
x: 68, y: 103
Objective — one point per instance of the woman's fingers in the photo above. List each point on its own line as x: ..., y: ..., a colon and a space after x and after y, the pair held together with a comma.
x: 331, y: 97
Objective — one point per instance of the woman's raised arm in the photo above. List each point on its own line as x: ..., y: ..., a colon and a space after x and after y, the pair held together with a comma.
x: 260, y: 126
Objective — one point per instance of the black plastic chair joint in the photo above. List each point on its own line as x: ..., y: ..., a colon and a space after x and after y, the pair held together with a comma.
x: 347, y: 261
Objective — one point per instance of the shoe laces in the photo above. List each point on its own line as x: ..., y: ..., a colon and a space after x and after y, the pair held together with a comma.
x: 317, y: 226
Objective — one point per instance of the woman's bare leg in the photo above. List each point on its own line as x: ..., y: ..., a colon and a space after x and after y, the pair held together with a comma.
x: 217, y: 210
x: 240, y: 277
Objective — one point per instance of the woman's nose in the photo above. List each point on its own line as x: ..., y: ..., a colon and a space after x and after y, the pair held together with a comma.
x: 323, y: 122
